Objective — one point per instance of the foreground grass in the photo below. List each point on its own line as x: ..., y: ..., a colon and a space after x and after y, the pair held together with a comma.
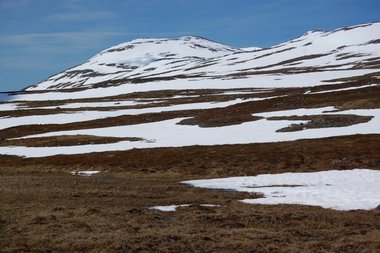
x: 57, y: 212
x: 43, y: 208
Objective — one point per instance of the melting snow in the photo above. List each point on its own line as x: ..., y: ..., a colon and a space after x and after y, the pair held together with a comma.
x: 173, y: 208
x: 339, y: 190
x: 169, y: 133
x: 92, y: 105
x: 85, y: 172
x: 170, y: 208
x: 8, y: 107
x: 209, y: 205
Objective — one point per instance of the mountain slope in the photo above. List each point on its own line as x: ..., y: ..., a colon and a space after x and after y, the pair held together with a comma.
x: 195, y: 58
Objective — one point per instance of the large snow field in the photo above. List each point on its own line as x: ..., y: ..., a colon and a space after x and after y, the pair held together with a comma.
x: 169, y: 133
x: 339, y: 190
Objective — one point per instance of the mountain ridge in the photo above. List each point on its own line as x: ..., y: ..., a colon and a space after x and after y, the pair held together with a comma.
x: 190, y: 57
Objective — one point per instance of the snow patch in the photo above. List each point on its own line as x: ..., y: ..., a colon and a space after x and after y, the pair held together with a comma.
x: 338, y: 190
x: 85, y: 172
x: 209, y: 205
x: 170, y: 208
x: 9, y: 106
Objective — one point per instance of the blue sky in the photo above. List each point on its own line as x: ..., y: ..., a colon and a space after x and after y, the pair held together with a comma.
x: 42, y: 37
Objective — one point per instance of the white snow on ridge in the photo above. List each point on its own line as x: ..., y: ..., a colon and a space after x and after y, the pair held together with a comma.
x: 324, y: 48
x: 169, y: 133
x: 339, y: 190
x: 250, y: 49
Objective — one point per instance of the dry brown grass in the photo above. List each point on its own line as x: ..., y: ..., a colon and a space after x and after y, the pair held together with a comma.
x: 45, y: 209
x: 57, y: 212
x: 361, y: 151
x: 64, y: 140
x: 361, y: 103
x: 321, y: 121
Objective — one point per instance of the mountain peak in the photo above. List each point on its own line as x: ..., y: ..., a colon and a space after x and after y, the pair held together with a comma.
x: 126, y: 58
x: 314, y: 32
x: 192, y: 37
x: 187, y: 45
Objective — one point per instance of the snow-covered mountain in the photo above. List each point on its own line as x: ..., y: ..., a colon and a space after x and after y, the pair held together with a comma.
x: 193, y: 58
x: 138, y: 57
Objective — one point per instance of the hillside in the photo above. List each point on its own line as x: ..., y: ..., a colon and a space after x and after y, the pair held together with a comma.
x: 192, y: 91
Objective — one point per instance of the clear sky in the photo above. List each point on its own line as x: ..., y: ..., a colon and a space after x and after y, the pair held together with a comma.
x: 42, y: 37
